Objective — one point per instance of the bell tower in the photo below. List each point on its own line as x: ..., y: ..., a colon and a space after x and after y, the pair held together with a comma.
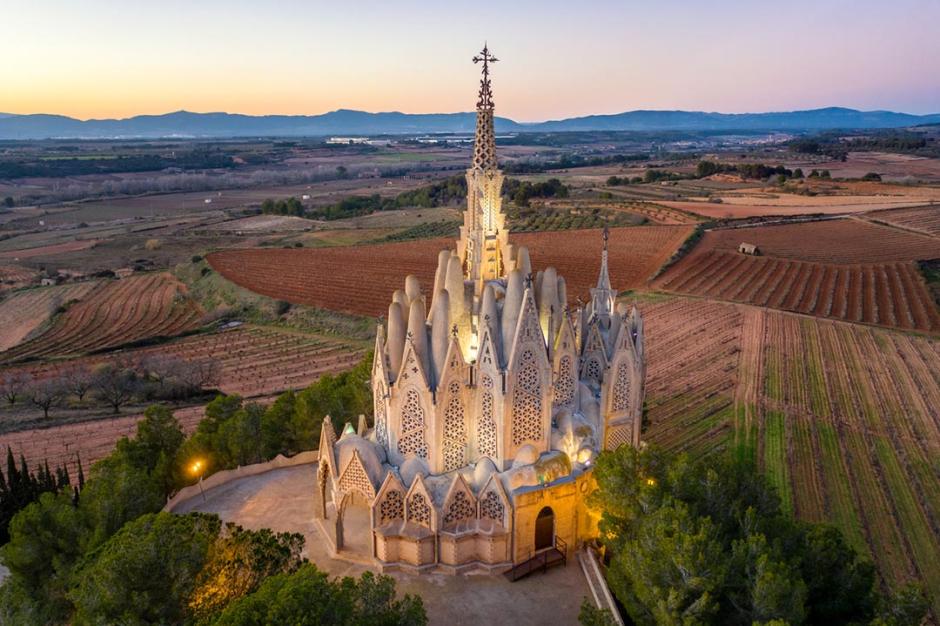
x: 483, y: 236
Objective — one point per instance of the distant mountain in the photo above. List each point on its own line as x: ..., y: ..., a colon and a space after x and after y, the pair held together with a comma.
x: 347, y: 122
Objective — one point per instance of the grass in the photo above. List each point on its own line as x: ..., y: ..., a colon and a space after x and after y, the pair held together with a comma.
x: 775, y: 456
x: 838, y: 488
x: 924, y: 545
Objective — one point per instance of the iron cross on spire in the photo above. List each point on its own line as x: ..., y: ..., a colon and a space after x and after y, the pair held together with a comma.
x: 486, y: 94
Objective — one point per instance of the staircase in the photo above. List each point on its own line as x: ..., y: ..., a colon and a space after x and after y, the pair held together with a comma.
x: 541, y: 560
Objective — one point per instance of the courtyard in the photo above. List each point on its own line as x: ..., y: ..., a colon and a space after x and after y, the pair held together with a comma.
x: 284, y: 499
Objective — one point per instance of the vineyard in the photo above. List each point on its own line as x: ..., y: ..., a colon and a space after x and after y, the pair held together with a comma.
x: 839, y: 241
x: 359, y: 279
x: 692, y: 359
x: 924, y: 219
x: 850, y: 438
x: 887, y: 294
x: 117, y: 313
x: 89, y: 441
x: 253, y: 361
x: 25, y: 311
x: 844, y: 419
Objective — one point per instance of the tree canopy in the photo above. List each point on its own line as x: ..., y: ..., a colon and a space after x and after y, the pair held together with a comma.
x: 708, y: 543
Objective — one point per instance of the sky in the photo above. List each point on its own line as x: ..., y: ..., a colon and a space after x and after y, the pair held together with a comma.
x: 109, y: 58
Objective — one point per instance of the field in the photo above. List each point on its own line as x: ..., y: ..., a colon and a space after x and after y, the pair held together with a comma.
x: 923, y: 219
x: 12, y: 276
x: 839, y: 241
x: 693, y: 351
x: 117, y: 313
x: 840, y: 275
x: 254, y: 362
x: 845, y: 437
x: 854, y: 439
x: 25, y: 311
x: 754, y: 206
x: 90, y: 441
x: 361, y: 279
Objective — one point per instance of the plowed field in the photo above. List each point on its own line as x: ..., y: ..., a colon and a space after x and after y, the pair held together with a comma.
x: 119, y: 312
x: 361, y: 279
x: 24, y: 311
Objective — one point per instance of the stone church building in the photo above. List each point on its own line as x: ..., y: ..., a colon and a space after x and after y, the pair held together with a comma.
x: 492, y: 399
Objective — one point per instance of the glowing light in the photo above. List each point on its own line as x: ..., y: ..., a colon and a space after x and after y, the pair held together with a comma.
x: 651, y: 482
x: 196, y: 467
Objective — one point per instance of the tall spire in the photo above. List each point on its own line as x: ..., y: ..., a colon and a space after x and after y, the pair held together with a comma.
x: 603, y: 280
x: 483, y: 236
x: 484, y: 144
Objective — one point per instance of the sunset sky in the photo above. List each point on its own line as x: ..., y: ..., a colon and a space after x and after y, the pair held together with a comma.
x: 104, y: 58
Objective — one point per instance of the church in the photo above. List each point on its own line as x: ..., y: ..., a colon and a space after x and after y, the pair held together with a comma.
x: 492, y: 399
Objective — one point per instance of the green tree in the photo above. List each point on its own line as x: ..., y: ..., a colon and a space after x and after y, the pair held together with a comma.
x: 154, y: 449
x: 309, y: 597
x: 906, y: 607
x: 46, y: 540
x: 707, y: 542
x: 590, y: 615
x: 238, y: 562
x: 145, y: 572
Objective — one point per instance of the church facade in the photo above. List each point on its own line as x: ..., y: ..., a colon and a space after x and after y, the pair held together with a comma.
x: 492, y: 399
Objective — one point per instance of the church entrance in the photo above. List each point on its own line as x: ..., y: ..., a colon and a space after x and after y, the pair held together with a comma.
x: 354, y: 525
x: 545, y: 529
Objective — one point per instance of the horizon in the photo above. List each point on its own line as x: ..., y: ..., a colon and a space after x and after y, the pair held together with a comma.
x: 103, y: 60
x: 467, y: 112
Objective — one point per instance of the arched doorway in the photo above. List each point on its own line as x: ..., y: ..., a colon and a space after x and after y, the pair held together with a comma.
x: 354, y: 525
x: 326, y: 490
x: 545, y: 529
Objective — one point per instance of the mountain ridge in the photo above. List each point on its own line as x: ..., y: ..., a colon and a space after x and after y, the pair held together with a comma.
x: 349, y: 121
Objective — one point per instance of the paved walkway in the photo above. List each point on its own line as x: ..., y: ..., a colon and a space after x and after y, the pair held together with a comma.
x: 283, y: 499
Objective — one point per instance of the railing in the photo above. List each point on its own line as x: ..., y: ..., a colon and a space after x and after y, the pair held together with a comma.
x: 541, y: 560
x: 562, y: 547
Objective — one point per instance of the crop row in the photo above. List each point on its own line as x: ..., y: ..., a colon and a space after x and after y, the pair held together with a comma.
x: 22, y: 312
x: 887, y: 294
x: 119, y: 312
x: 361, y: 279
x: 849, y: 429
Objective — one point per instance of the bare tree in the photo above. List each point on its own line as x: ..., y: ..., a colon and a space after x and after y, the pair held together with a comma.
x: 46, y: 394
x: 198, y: 375
x: 78, y: 380
x: 115, y: 385
x: 13, y: 385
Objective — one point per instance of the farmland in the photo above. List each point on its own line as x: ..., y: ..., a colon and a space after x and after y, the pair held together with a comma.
x: 25, y: 311
x: 117, y: 313
x: 844, y: 437
x: 854, y: 439
x: 253, y: 361
x: 89, y: 441
x: 838, y: 241
x: 693, y: 349
x: 827, y: 269
x: 360, y: 280
x: 922, y: 219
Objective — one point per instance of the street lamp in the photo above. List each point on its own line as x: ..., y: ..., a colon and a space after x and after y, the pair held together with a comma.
x: 198, y: 469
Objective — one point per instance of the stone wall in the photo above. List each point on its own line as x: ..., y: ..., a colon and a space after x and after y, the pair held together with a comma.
x: 221, y: 477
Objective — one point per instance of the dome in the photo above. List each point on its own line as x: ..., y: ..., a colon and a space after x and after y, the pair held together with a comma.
x: 563, y: 419
x: 372, y: 455
x: 481, y: 473
x: 410, y: 469
x: 527, y: 455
